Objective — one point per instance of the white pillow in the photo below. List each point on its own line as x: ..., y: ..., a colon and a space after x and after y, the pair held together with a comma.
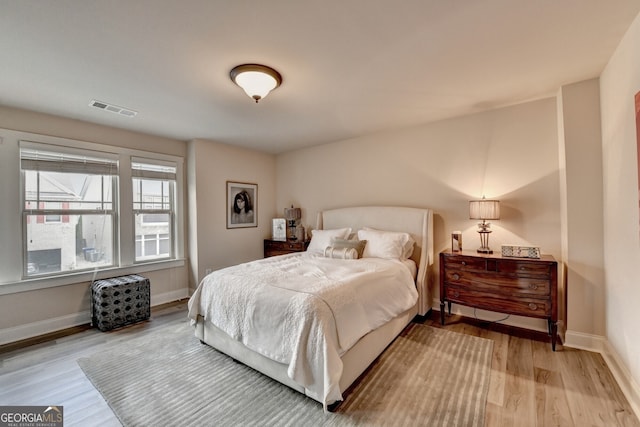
x: 320, y: 239
x: 408, y: 245
x: 340, y: 253
x: 386, y: 244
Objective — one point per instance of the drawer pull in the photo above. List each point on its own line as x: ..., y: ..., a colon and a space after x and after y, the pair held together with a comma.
x: 533, y: 306
x: 456, y: 276
x: 533, y: 286
x: 464, y: 263
x: 456, y: 294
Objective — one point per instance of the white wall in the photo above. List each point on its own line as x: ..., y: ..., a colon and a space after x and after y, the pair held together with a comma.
x: 212, y: 245
x: 619, y: 83
x: 510, y: 154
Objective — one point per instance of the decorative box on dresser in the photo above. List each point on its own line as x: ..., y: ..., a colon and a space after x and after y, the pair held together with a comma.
x: 281, y: 247
x: 519, y: 286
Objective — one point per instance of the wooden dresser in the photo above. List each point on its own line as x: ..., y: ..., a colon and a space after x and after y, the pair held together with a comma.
x: 519, y: 286
x: 281, y: 247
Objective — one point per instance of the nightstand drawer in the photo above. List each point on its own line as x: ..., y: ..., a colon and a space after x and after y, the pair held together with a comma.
x: 285, y: 246
x: 281, y: 247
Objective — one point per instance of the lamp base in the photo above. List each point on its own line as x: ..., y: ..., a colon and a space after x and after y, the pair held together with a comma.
x: 484, y: 240
x: 292, y: 230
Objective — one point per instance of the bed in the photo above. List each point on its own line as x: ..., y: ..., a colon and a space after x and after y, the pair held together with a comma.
x: 324, y: 368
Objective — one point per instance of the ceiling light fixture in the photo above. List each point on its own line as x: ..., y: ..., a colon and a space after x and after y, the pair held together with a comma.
x: 255, y: 79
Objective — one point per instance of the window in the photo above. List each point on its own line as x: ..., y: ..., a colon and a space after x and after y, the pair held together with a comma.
x: 89, y: 207
x: 154, y: 185
x: 69, y: 209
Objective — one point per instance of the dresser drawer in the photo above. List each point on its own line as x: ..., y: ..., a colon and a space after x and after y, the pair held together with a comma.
x: 530, y: 307
x: 524, y: 268
x: 465, y: 263
x: 498, y: 283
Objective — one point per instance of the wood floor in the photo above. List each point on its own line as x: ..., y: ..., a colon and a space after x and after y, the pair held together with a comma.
x: 530, y: 385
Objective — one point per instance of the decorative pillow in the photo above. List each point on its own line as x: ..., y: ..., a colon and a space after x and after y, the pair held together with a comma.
x: 320, y: 239
x: 408, y: 245
x: 358, y: 245
x: 386, y: 244
x: 340, y: 253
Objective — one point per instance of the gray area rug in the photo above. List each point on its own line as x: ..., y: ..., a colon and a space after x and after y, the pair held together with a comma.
x: 427, y: 377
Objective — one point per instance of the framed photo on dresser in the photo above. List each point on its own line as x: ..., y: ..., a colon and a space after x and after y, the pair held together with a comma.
x: 279, y: 229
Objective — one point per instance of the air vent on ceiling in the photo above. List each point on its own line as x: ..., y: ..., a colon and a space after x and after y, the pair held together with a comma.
x: 113, y: 108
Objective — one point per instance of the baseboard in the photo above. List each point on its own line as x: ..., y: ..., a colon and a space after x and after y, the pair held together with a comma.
x: 629, y: 387
x: 43, y: 327
x: 169, y: 297
x: 584, y: 341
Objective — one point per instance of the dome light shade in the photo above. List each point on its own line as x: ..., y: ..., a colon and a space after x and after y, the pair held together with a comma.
x: 255, y: 79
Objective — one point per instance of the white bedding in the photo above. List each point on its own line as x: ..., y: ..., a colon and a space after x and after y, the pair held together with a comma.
x: 304, y: 310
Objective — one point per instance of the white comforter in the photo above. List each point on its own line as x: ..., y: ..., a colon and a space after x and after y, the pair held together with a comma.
x: 304, y: 310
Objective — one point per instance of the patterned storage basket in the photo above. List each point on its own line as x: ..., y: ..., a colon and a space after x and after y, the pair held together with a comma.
x: 120, y: 301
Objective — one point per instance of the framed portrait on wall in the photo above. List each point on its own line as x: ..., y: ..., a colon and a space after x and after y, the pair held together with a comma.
x: 242, y: 205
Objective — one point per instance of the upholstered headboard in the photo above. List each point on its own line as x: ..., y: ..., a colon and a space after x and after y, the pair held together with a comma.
x: 415, y: 221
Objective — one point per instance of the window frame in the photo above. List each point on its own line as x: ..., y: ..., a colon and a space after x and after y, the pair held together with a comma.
x: 17, y: 280
x: 161, y: 171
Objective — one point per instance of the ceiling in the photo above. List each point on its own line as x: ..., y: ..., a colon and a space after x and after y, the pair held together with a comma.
x: 349, y: 67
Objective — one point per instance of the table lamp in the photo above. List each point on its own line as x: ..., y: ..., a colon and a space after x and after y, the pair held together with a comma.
x: 484, y: 209
x: 292, y: 215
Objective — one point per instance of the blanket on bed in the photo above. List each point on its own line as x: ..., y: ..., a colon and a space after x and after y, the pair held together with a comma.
x: 304, y: 310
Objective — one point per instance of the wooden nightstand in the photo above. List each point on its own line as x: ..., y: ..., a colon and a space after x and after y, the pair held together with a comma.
x: 280, y: 247
x: 520, y: 286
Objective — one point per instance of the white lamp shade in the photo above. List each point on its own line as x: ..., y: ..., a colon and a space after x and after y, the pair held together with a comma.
x: 484, y: 209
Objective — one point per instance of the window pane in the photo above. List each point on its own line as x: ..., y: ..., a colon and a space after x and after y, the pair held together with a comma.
x: 164, y: 247
x: 153, y: 239
x: 76, y: 190
x: 151, y: 194
x: 150, y: 246
x: 77, y: 242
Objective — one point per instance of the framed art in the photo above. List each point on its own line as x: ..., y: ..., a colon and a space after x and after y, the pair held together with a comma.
x: 242, y: 205
x: 279, y: 229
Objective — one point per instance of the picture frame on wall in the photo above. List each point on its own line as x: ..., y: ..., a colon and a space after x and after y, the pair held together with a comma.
x: 279, y: 229
x: 242, y: 204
